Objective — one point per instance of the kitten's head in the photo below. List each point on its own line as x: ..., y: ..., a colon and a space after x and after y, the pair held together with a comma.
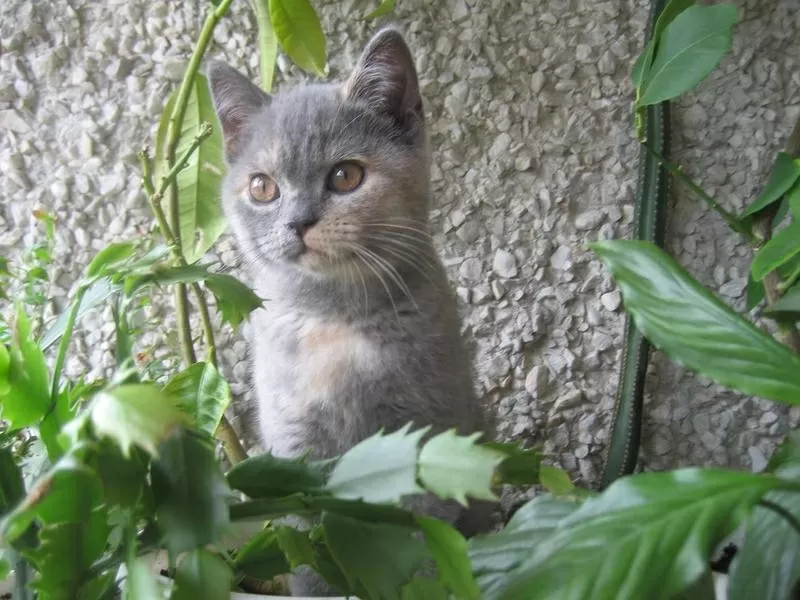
x: 325, y: 174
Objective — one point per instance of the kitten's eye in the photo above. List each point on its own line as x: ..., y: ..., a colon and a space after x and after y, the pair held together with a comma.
x: 345, y: 177
x: 263, y: 188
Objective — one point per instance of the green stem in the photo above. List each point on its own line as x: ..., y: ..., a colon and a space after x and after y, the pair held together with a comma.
x: 679, y: 173
x: 63, y: 345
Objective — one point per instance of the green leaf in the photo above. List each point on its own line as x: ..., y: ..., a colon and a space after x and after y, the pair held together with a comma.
x: 787, y: 305
x: 449, y: 549
x: 135, y: 415
x: 123, y: 478
x: 300, y: 34
x: 453, y: 466
x: 421, y: 588
x: 12, y: 488
x: 696, y: 329
x: 190, y: 492
x: 519, y: 467
x: 68, y: 493
x: 645, y: 60
x: 27, y: 396
x: 556, y: 481
x: 768, y: 564
x: 202, y: 575
x: 52, y: 423
x: 793, y: 195
x: 690, y: 47
x: 267, y: 45
x: 382, y: 468
x: 111, y: 255
x: 494, y: 555
x: 784, y: 246
x: 646, y: 536
x: 755, y: 292
x: 159, y: 159
x: 262, y: 557
x: 140, y: 582
x: 202, y: 393
x: 384, y: 8
x: 267, y: 476
x: 97, y: 293
x: 785, y: 173
x: 201, y: 218
x: 381, y: 558
x: 296, y: 546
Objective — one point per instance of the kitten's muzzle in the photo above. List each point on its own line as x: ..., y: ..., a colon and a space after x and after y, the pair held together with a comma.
x: 301, y: 226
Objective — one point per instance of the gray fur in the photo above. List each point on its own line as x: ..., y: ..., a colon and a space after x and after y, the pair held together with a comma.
x: 348, y: 343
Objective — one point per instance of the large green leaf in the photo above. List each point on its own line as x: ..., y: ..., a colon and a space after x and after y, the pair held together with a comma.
x: 423, y: 588
x: 267, y: 44
x: 300, y: 34
x: 453, y: 466
x: 793, y: 195
x: 296, y: 546
x: 262, y: 556
x: 26, y: 396
x: 381, y: 558
x: 519, y: 467
x: 645, y: 60
x: 784, y: 246
x: 190, y: 492
x: 696, y: 329
x: 108, y: 257
x: 768, y: 564
x: 449, y: 549
x: 646, y: 536
x: 689, y: 48
x: 201, y: 218
x: 202, y: 393
x: 202, y: 575
x: 786, y: 306
x: 267, y: 476
x: 785, y: 173
x: 135, y: 415
x: 494, y: 555
x: 382, y: 468
x: 140, y: 582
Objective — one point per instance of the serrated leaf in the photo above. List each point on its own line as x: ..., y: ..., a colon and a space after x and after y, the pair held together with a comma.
x: 449, y: 549
x: 123, y: 479
x: 267, y: 476
x: 453, y: 466
x: 295, y: 546
x: 300, y: 34
x: 202, y: 393
x: 694, y: 328
x: 785, y: 173
x: 783, y: 247
x: 669, y: 522
x: 556, y: 481
x: 140, y: 582
x: 382, y: 468
x: 109, y: 256
x: 787, y: 305
x: 767, y: 565
x: 202, y: 575
x: 135, y: 415
x: 519, y: 467
x: 689, y: 48
x: 190, y: 493
x: 494, y: 555
x: 384, y: 8
x: 201, y: 218
x: 262, y: 556
x: 381, y: 558
x: 27, y: 382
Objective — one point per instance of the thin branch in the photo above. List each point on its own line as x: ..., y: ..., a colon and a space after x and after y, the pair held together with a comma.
x: 63, y: 345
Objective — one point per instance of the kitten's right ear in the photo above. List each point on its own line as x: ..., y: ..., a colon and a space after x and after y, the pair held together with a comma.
x: 236, y: 101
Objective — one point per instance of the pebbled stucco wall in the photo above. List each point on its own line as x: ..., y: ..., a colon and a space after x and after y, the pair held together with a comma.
x: 530, y: 119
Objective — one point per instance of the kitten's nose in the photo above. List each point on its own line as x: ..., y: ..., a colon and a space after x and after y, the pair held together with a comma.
x: 301, y: 226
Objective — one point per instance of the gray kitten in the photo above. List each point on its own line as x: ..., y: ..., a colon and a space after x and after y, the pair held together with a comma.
x: 327, y: 192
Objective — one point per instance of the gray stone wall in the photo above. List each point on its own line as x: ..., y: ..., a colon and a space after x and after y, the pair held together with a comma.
x: 530, y: 119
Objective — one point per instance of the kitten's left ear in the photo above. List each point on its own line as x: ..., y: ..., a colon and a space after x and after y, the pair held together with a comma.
x: 385, y: 78
x: 236, y: 101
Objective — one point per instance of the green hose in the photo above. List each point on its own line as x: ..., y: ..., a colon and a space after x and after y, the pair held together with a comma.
x: 652, y: 191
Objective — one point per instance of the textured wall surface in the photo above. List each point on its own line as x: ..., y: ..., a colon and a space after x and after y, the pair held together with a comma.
x: 530, y: 119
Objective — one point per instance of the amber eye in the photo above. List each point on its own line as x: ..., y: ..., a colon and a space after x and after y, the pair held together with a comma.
x: 263, y: 188
x: 345, y: 177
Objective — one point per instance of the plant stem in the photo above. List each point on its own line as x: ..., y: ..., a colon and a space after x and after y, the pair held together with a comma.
x: 66, y: 338
x: 225, y: 433
x: 782, y: 512
x: 729, y: 218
